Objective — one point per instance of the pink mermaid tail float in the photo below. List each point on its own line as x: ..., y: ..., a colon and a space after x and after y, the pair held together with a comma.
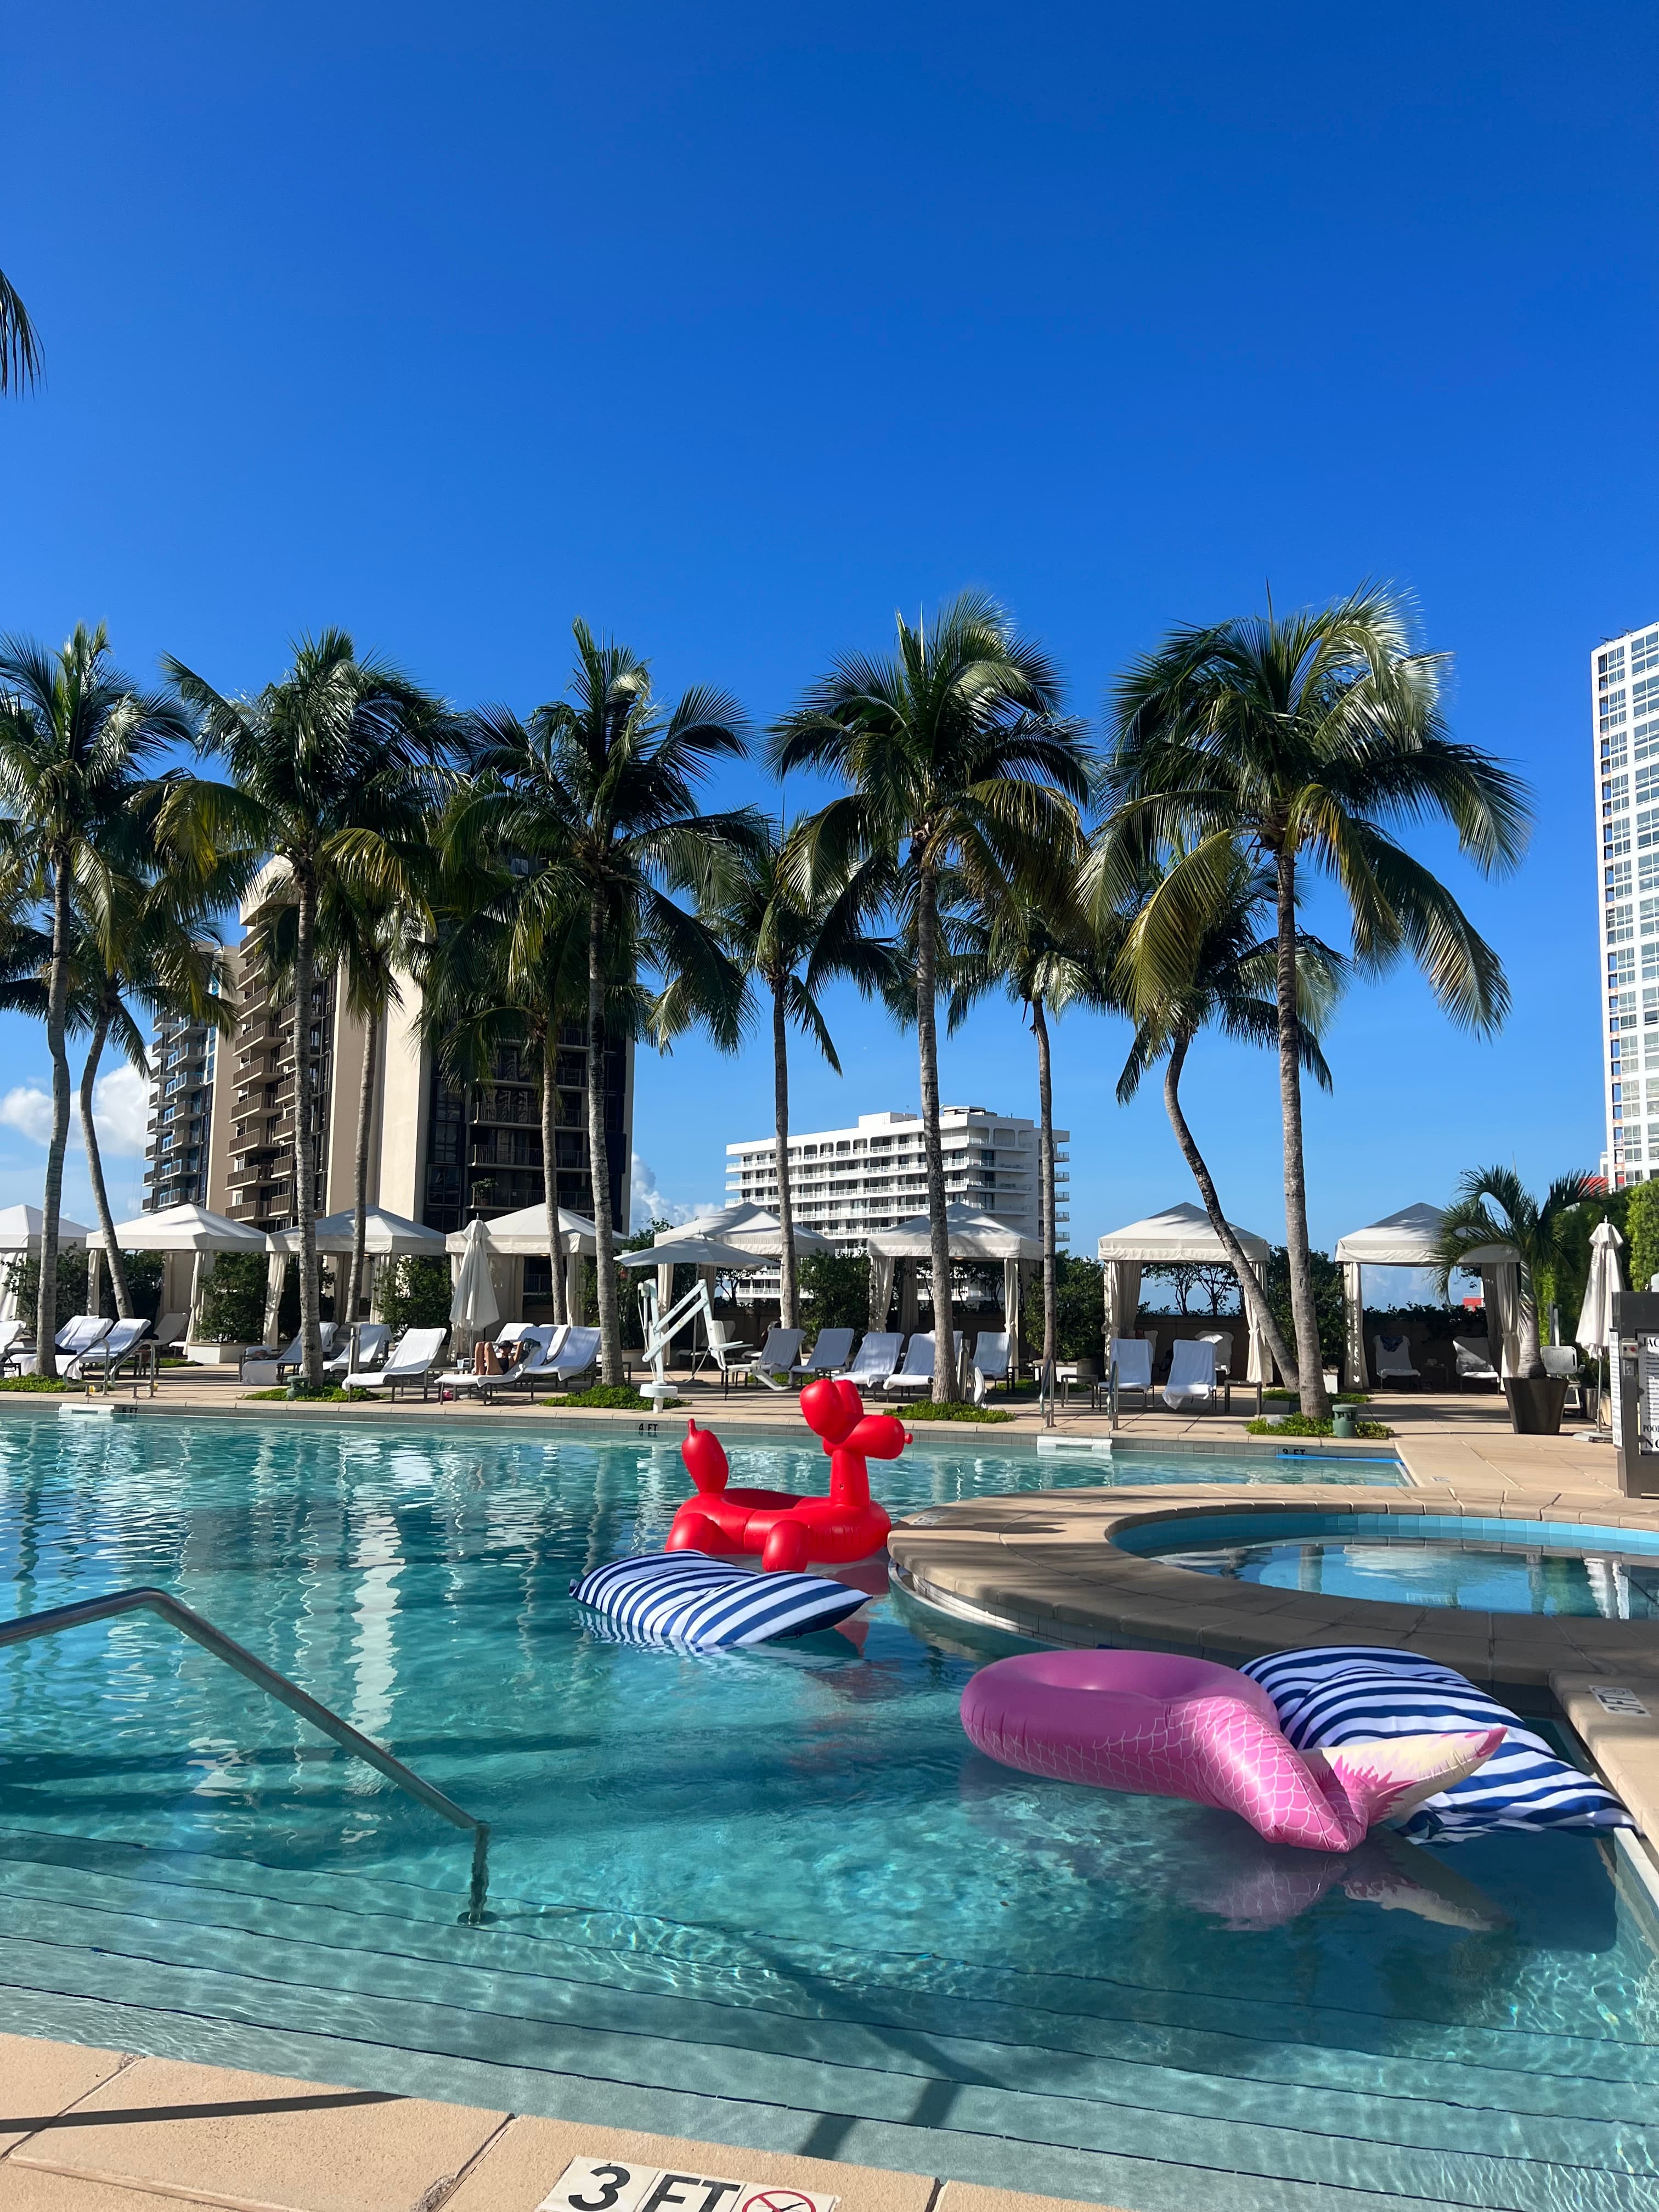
x: 1186, y: 1728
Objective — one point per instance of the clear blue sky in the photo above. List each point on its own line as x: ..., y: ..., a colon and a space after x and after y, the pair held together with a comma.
x: 733, y: 328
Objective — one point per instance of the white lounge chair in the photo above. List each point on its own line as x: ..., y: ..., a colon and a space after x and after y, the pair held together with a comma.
x: 775, y: 1361
x: 1191, y: 1386
x: 1132, y: 1358
x: 990, y: 1361
x: 373, y: 1338
x: 12, y: 1349
x: 537, y: 1337
x: 414, y: 1359
x: 577, y: 1354
x: 81, y: 1334
x: 106, y: 1357
x: 294, y: 1358
x: 877, y: 1356
x: 1223, y: 1340
x: 1391, y: 1360
x: 171, y: 1329
x: 829, y: 1353
x: 917, y: 1372
x: 1473, y: 1360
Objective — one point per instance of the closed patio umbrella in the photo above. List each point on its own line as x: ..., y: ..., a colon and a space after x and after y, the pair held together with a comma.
x: 1595, y: 1315
x: 474, y: 1306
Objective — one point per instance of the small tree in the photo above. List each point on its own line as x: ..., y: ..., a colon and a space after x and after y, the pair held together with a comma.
x: 1493, y: 1206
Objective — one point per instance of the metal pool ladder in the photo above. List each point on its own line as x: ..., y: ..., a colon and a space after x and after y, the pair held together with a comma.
x: 202, y: 1632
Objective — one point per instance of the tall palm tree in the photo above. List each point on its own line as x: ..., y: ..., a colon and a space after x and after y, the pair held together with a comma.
x: 1042, y: 953
x: 1226, y: 981
x: 1493, y: 1206
x: 331, y: 772
x: 956, y: 757
x: 1306, y: 741
x: 20, y: 350
x: 603, y: 782
x: 80, y: 746
x: 793, y: 936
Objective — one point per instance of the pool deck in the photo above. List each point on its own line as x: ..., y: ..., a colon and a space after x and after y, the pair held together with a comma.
x: 88, y: 2130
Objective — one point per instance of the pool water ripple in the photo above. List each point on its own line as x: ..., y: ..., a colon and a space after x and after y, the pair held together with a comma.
x: 782, y: 1875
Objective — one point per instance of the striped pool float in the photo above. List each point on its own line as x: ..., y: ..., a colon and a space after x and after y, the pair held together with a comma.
x: 707, y: 1605
x: 1340, y: 1693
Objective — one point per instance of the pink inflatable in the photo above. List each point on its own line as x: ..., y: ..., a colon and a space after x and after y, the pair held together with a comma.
x: 1185, y: 1727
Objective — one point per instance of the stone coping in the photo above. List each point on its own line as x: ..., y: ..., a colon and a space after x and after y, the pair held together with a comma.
x: 91, y: 2130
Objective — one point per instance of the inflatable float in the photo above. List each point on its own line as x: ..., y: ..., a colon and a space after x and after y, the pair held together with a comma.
x: 709, y: 1605
x: 1169, y: 1727
x: 787, y: 1531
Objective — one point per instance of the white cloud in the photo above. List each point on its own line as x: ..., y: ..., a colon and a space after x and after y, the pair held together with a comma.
x: 120, y: 1104
x: 28, y: 1108
x: 648, y: 1204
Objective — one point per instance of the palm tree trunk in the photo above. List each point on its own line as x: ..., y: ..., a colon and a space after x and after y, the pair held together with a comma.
x: 945, y: 1342
x: 1046, y: 1168
x: 305, y: 1141
x: 117, y: 1272
x: 788, y: 1272
x: 52, y: 1200
x: 1309, y: 1360
x: 550, y: 1177
x: 1528, y: 1357
x: 599, y: 1152
x: 360, y: 1164
x: 1249, y: 1289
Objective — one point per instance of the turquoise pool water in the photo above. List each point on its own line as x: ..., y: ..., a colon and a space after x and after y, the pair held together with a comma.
x: 769, y: 1897
x: 1435, y: 1559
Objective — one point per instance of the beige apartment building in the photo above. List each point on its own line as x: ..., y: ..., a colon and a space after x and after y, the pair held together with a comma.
x: 438, y: 1152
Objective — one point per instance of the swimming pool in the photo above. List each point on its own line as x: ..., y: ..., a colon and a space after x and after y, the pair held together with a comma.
x: 1489, y: 1566
x: 758, y: 1897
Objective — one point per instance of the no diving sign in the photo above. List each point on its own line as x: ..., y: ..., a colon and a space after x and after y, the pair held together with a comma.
x: 596, y: 2184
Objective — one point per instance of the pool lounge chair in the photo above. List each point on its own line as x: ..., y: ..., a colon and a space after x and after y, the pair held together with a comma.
x: 414, y: 1359
x: 829, y: 1353
x: 1392, y: 1360
x: 1191, y: 1387
x: 370, y: 1349
x: 577, y: 1354
x: 1223, y: 1341
x: 13, y: 1350
x: 917, y: 1372
x: 1132, y: 1358
x: 81, y: 1334
x: 537, y: 1337
x: 110, y: 1354
x: 291, y: 1361
x: 990, y: 1361
x: 775, y: 1361
x: 877, y: 1358
x: 1473, y: 1361
x: 171, y: 1329
x: 721, y: 1351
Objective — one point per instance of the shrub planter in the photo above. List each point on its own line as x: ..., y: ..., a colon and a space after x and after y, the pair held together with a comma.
x: 1536, y: 1405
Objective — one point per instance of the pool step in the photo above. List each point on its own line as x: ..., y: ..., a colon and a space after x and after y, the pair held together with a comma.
x: 595, y: 2015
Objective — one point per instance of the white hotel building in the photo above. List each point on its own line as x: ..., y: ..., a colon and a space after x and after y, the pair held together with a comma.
x: 1624, y: 693
x: 845, y: 1182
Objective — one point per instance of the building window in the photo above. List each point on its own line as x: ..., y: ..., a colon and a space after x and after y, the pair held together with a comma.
x: 1644, y: 653
x: 1610, y: 665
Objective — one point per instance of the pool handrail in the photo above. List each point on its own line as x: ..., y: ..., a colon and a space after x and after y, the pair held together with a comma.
x: 202, y: 1631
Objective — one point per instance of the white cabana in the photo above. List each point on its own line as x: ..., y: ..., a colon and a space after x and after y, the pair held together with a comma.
x: 523, y: 1236
x: 19, y: 1237
x: 974, y: 1236
x: 1498, y: 1267
x: 184, y: 1229
x: 751, y: 1228
x: 1179, y: 1233
x: 1410, y: 1238
x: 387, y: 1235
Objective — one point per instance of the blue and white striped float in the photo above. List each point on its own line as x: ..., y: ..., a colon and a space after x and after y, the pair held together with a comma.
x: 1332, y: 1694
x: 707, y: 1605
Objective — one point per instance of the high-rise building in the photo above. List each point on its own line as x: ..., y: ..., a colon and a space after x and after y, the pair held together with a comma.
x: 1624, y: 710
x: 438, y: 1151
x: 184, y: 1056
x: 845, y: 1182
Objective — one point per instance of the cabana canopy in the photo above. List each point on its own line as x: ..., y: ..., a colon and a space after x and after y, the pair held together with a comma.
x: 386, y: 1236
x: 523, y: 1234
x: 684, y: 1249
x: 181, y: 1228
x: 20, y: 1230
x: 973, y: 1234
x: 750, y: 1228
x: 1179, y: 1233
x: 1410, y: 1238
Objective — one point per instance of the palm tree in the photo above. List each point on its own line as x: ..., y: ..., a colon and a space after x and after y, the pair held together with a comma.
x: 794, y: 937
x: 1493, y: 1206
x: 20, y: 350
x: 1042, y: 953
x: 956, y: 757
x: 1308, y: 740
x: 1223, y: 977
x: 602, y: 783
x: 78, y: 744
x: 332, y: 771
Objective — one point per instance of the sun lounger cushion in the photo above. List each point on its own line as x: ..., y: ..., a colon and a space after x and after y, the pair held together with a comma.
x: 1339, y: 1693
x: 709, y: 1605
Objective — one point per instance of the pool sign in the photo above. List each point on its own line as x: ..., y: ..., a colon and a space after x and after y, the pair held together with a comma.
x: 598, y: 2185
x: 1614, y: 1697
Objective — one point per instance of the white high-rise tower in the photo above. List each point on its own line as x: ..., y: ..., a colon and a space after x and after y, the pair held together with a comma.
x: 1624, y: 712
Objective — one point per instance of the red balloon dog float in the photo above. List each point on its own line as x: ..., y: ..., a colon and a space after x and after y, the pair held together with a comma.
x: 785, y: 1530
